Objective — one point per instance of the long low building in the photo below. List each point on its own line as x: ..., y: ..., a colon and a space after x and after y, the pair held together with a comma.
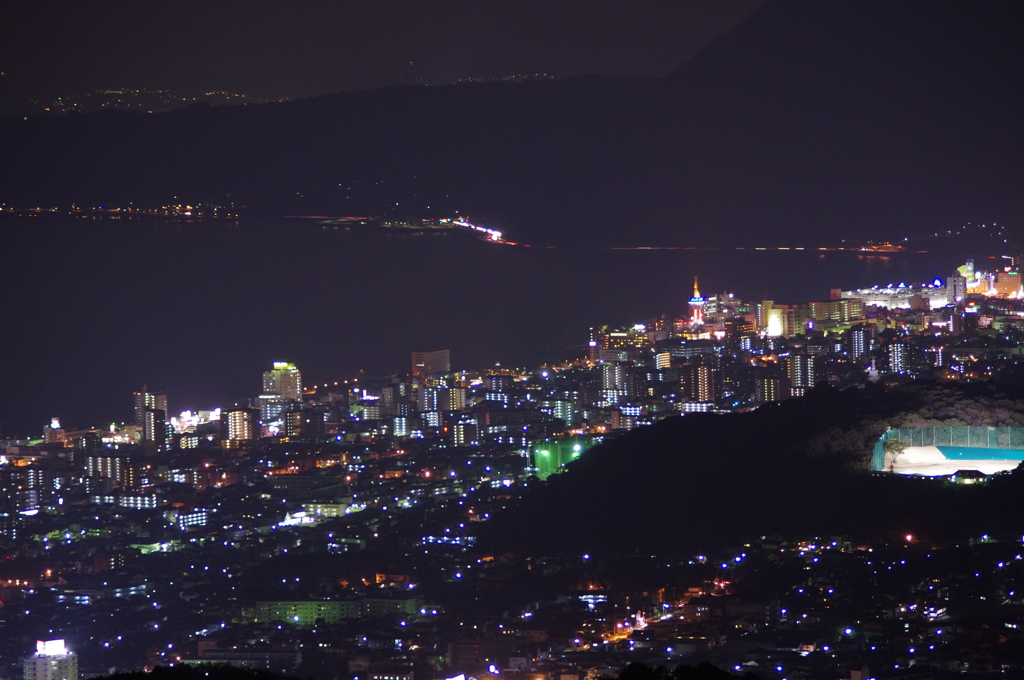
x: 900, y: 297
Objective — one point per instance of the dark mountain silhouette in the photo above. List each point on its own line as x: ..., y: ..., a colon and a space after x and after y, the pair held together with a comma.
x: 799, y: 468
x: 846, y: 117
x: 809, y: 122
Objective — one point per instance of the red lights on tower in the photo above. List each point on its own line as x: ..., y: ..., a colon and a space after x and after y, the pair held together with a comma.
x: 696, y: 306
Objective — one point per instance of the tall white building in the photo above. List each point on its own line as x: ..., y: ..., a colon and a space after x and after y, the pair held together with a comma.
x: 899, y: 360
x: 617, y: 382
x: 52, y: 661
x: 803, y: 371
x: 860, y: 342
x: 284, y: 380
x: 241, y: 425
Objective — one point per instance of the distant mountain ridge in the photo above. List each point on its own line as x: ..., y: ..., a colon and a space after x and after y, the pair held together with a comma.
x: 810, y: 119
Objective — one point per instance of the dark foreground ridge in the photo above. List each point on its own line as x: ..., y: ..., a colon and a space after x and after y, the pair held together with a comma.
x: 703, y: 481
x: 199, y: 672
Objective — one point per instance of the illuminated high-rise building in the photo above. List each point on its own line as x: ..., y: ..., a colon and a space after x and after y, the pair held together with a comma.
x: 282, y: 387
x: 619, y: 419
x: 899, y: 357
x: 739, y: 326
x: 272, y: 408
x: 52, y: 661
x: 498, y: 383
x: 804, y: 372
x: 762, y: 314
x: 24, y: 487
x: 143, y: 400
x: 935, y: 356
x: 150, y: 413
x: 697, y: 303
x: 429, y: 398
x: 956, y: 287
x: 305, y: 424
x: 614, y: 376
x: 432, y: 418
x: 149, y: 410
x: 617, y: 344
x: 564, y: 411
x: 842, y: 311
x: 393, y: 396
x: 284, y: 380
x: 452, y: 398
x: 154, y: 429
x: 860, y: 341
x: 464, y: 431
x: 771, y: 389
x: 53, y: 432
x: 700, y: 381
x: 401, y: 426
x: 1008, y: 284
x: 431, y: 364
x: 118, y: 468
x: 618, y: 382
x: 240, y: 428
x: 777, y: 319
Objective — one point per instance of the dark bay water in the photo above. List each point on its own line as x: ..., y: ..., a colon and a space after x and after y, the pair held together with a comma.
x: 94, y: 309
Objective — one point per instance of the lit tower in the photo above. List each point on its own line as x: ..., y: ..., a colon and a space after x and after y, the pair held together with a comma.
x: 696, y: 306
x: 284, y: 380
x: 144, y: 400
x: 150, y: 409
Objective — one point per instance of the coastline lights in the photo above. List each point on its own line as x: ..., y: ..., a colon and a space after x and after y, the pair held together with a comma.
x: 491, y: 234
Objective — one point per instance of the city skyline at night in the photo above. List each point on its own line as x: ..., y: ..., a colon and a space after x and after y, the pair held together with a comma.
x: 526, y: 340
x: 766, y: 319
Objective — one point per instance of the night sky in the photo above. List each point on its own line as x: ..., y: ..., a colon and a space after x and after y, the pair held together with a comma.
x: 274, y: 49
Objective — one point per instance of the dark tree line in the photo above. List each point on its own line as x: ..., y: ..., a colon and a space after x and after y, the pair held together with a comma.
x: 702, y: 671
x: 800, y: 467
